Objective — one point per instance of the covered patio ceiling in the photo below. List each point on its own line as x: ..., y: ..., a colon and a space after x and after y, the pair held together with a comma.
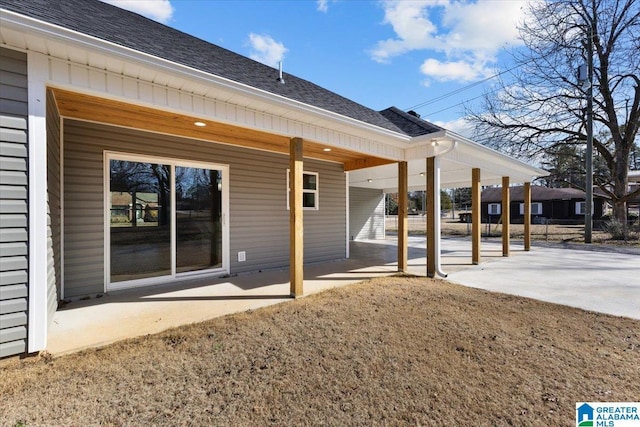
x: 457, y: 155
x: 97, y: 109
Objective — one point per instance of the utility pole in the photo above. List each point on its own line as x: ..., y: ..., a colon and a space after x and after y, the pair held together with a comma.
x: 588, y: 80
x: 588, y: 217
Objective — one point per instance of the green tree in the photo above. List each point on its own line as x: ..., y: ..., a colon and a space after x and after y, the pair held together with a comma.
x: 445, y: 200
x: 462, y: 198
x: 391, y: 203
x: 539, y: 106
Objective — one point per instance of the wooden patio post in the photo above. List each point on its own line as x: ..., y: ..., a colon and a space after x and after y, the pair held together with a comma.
x: 506, y: 216
x: 527, y: 216
x: 431, y: 220
x: 296, y: 228
x: 475, y: 216
x: 403, y: 232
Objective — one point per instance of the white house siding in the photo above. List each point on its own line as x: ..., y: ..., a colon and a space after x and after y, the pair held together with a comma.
x: 366, y: 213
x: 14, y: 240
x: 54, y: 252
x: 259, y: 219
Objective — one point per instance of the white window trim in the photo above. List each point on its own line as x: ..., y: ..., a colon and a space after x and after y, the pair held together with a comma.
x: 114, y: 155
x: 316, y: 191
x: 497, y: 208
x: 536, y: 208
x: 581, y: 208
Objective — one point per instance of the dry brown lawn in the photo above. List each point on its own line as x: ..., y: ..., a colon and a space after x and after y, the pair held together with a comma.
x: 390, y: 351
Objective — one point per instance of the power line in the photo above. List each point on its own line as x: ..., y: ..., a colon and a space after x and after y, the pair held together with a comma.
x: 457, y: 105
x: 457, y: 91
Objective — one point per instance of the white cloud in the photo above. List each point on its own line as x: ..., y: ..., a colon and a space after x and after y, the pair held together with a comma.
x: 158, y: 10
x: 461, y: 31
x: 323, y: 5
x: 266, y: 50
x: 484, y: 27
x: 414, y: 30
x: 461, y: 71
x: 460, y: 126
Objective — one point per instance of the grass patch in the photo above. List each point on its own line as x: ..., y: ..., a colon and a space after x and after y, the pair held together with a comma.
x: 390, y: 351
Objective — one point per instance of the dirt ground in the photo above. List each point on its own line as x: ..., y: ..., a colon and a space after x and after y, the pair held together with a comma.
x: 390, y: 351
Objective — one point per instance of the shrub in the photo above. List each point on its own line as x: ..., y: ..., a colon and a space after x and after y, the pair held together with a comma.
x: 617, y: 229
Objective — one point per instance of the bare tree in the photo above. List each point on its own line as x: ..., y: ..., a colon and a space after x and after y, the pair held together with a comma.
x: 539, y: 105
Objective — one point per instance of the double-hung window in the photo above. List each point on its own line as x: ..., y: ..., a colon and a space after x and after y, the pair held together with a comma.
x: 536, y: 208
x: 310, y: 190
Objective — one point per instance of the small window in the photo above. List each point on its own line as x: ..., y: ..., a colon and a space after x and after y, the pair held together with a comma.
x: 536, y: 208
x: 581, y: 208
x: 494, y: 208
x: 310, y: 191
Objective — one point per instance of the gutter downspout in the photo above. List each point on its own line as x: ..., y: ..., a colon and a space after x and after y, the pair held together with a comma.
x: 436, y: 207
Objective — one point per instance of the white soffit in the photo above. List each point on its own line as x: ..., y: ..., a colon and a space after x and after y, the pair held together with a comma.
x: 458, y: 156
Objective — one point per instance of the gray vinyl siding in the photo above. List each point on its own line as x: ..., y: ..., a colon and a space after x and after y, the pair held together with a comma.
x: 14, y: 189
x: 258, y: 215
x: 366, y: 213
x: 53, y: 208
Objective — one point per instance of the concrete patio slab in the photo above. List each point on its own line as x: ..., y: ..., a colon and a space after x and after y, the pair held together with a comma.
x: 125, y: 314
x: 599, y: 281
x: 605, y: 282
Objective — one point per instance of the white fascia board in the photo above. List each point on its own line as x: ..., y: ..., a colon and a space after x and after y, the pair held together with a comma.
x: 54, y: 32
x: 471, y: 146
x: 429, y: 138
x: 451, y: 143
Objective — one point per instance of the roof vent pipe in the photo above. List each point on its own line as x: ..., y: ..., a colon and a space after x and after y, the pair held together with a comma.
x: 280, y: 78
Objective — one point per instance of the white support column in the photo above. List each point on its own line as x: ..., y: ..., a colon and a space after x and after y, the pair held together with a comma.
x: 38, y: 67
x: 433, y: 218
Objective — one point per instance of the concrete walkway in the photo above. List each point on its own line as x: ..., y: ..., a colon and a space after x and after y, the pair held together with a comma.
x: 599, y: 281
x: 605, y: 282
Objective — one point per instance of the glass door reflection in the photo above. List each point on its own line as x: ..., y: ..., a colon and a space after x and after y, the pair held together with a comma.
x: 198, y: 219
x: 140, y: 220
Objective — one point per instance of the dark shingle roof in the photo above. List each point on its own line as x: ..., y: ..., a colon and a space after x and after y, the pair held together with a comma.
x: 538, y: 194
x: 410, y: 124
x: 134, y: 31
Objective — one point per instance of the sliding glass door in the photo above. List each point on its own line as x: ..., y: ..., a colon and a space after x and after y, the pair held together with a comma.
x: 198, y: 219
x: 165, y: 219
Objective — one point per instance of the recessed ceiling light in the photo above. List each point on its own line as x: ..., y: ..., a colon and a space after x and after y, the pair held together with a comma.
x: 369, y: 180
x: 421, y: 173
x: 326, y: 149
x: 434, y: 143
x: 200, y: 124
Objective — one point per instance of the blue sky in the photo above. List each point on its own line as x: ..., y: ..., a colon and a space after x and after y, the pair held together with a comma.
x: 403, y: 53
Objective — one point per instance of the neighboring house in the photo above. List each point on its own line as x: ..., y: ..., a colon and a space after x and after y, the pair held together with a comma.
x: 562, y: 204
x: 634, y: 185
x: 134, y: 154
